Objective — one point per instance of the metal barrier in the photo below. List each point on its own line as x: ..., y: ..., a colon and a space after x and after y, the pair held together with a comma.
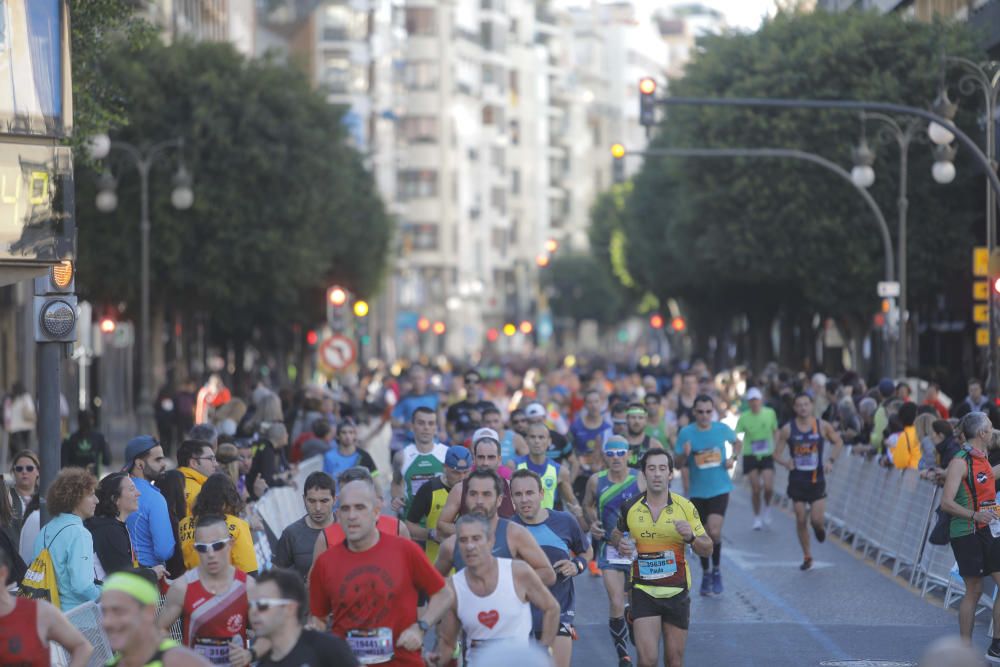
x: 87, y: 619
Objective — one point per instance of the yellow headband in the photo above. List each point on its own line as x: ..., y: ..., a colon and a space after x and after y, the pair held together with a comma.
x: 134, y: 585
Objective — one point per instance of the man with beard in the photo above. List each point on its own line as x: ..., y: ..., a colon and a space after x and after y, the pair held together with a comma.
x: 149, y: 526
x: 639, y: 443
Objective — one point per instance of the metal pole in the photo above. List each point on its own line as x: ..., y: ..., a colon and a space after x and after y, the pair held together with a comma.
x: 48, y: 416
x: 144, y: 411
x: 902, y: 205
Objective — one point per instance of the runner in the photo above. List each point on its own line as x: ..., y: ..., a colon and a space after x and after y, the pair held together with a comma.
x: 758, y: 427
x: 298, y: 541
x: 212, y: 598
x: 27, y: 626
x: 493, y: 596
x: 560, y: 449
x: 701, y: 448
x: 587, y: 433
x: 128, y: 617
x: 657, y: 427
x: 555, y: 478
x: 686, y: 398
x: 656, y: 526
x: 368, y: 585
x: 806, y: 437
x: 345, y: 453
x: 639, y: 442
x: 486, y: 449
x: 519, y: 422
x: 426, y: 507
x: 512, y: 444
x: 969, y: 496
x: 607, y: 492
x: 417, y: 463
x: 568, y: 549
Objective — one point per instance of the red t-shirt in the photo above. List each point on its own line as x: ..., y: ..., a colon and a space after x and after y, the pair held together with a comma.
x: 374, y: 589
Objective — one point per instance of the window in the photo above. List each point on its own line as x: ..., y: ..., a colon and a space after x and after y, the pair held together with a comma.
x: 491, y: 37
x: 416, y: 129
x: 336, y: 72
x: 515, y: 181
x: 417, y: 184
x: 493, y: 115
x: 421, y: 75
x: 421, y: 21
x: 497, y: 157
x: 499, y: 240
x: 498, y: 199
x: 420, y: 236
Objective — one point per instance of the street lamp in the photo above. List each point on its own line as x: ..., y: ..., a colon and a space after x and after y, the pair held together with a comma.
x: 182, y: 198
x: 863, y: 175
x: 943, y: 169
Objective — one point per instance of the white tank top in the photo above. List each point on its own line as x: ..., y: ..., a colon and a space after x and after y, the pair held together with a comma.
x: 500, y: 616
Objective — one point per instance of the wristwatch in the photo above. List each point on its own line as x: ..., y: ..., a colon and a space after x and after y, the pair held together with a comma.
x: 424, y: 627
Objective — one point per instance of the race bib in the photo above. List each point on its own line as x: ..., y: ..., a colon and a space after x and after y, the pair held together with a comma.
x: 417, y: 481
x: 614, y: 558
x: 806, y: 457
x: 760, y: 447
x: 658, y: 565
x: 213, y: 649
x: 708, y: 458
x: 371, y: 647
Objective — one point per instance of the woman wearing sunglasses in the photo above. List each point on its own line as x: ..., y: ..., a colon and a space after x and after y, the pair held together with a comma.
x: 219, y: 496
x: 24, y: 493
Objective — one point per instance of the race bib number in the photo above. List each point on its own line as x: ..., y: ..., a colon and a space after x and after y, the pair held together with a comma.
x: 806, y: 457
x: 614, y: 558
x: 371, y: 647
x: 213, y: 649
x: 760, y: 447
x: 417, y: 481
x: 659, y: 565
x: 708, y: 458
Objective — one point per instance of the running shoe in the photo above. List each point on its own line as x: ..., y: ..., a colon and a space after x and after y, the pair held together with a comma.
x: 820, y: 534
x: 806, y: 564
x: 757, y: 523
x: 625, y: 662
x: 993, y: 653
x: 717, y: 581
x: 594, y: 570
x: 706, y: 583
x: 767, y: 516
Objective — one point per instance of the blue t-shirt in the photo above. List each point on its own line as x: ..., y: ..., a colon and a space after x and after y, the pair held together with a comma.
x: 335, y: 463
x: 587, y: 440
x: 559, y: 536
x: 707, y: 464
x: 403, y: 412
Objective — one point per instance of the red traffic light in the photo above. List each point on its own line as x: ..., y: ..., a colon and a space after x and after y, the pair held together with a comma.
x: 656, y: 321
x: 438, y: 328
x: 108, y: 325
x: 647, y: 86
x: 678, y: 324
x: 492, y: 335
x: 337, y: 295
x: 423, y: 324
x: 312, y: 337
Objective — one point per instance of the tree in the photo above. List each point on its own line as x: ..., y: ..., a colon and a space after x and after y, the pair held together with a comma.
x: 582, y: 290
x: 759, y: 238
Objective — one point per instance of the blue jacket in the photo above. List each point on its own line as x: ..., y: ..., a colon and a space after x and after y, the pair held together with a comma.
x: 149, y: 526
x: 72, y: 552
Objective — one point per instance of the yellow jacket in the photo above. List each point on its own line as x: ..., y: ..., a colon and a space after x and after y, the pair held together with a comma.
x: 243, y: 555
x: 192, y: 485
x: 906, y: 452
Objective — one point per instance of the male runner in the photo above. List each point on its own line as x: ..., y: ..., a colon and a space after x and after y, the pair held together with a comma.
x: 685, y: 398
x: 560, y: 449
x: 588, y: 432
x: 426, y: 507
x: 639, y: 442
x: 758, y: 427
x: 369, y: 585
x: 657, y: 526
x: 701, y: 448
x: 806, y: 437
x: 212, y: 597
x: 656, y: 428
x: 519, y: 422
x: 555, y: 478
x: 346, y: 454
x: 298, y: 540
x: 512, y: 444
x: 607, y: 492
x: 493, y: 597
x: 417, y: 463
x: 486, y: 449
x: 567, y: 547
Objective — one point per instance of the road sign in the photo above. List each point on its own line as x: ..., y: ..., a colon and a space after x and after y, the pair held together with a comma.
x: 980, y: 290
x: 980, y: 261
x: 337, y: 352
x: 888, y: 289
x: 983, y: 337
x: 980, y: 313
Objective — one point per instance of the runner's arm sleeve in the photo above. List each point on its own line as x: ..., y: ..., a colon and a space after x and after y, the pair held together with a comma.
x: 694, y: 519
x: 421, y: 505
x: 426, y: 579
x: 244, y: 556
x: 162, y: 533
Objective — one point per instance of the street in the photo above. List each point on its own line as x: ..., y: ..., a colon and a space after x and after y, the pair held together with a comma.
x: 772, y: 614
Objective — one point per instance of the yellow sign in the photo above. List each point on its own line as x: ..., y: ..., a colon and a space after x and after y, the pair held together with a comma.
x: 980, y: 313
x: 980, y: 261
x: 980, y: 290
x: 983, y: 337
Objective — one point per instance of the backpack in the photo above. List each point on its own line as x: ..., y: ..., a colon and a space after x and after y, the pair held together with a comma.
x: 39, y: 581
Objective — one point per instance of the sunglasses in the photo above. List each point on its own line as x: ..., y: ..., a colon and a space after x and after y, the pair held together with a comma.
x: 263, y: 604
x: 616, y: 453
x: 204, y: 548
x: 24, y: 468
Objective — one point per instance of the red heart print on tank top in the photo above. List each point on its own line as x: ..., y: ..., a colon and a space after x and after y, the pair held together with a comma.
x: 489, y: 618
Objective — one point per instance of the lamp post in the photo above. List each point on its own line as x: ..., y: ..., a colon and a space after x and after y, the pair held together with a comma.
x: 182, y: 197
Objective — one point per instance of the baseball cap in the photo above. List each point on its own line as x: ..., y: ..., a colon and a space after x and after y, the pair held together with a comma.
x: 615, y: 442
x: 138, y: 446
x: 485, y: 434
x: 886, y: 387
x: 753, y: 394
x: 534, y: 410
x: 459, y: 457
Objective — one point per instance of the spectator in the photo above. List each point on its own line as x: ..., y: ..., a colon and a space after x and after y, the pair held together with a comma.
x: 270, y: 465
x: 945, y: 448
x: 295, y: 547
x: 166, y: 419
x: 184, y: 405
x: 212, y: 395
x: 886, y: 390
x: 903, y: 392
x: 923, y: 427
x: 267, y: 411
x: 933, y: 398
x: 314, y: 442
x: 196, y: 461
x: 310, y: 411
x: 21, y: 418
x: 149, y: 526
x: 205, y: 433
x: 849, y: 421
x: 228, y: 459
x: 218, y: 496
x: 976, y: 401
x: 117, y: 498
x: 8, y: 540
x: 28, y: 626
x: 171, y: 485
x: 70, y: 500
x: 24, y: 493
x: 245, y: 449
x: 228, y: 417
x: 906, y: 453
x: 86, y: 448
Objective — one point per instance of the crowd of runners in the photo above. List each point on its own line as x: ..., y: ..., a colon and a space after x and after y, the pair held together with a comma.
x: 497, y: 490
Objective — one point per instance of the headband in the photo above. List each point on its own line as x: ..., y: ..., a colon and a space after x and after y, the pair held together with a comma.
x: 636, y: 411
x: 134, y: 585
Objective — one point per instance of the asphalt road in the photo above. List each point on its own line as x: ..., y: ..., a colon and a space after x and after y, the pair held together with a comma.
x: 843, y: 611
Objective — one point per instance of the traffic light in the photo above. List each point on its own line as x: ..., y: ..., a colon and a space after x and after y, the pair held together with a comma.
x: 336, y: 307
x: 55, y: 304
x: 439, y: 328
x: 312, y: 337
x: 108, y: 325
x: 509, y: 329
x: 423, y: 324
x: 656, y: 321
x: 647, y: 102
x: 361, y: 321
x: 492, y: 335
x: 526, y: 327
x: 618, y: 163
x: 678, y: 324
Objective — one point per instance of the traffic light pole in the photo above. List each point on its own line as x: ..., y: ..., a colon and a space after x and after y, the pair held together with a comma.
x: 49, y: 437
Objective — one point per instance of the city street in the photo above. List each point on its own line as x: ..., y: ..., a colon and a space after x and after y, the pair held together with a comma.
x: 843, y: 611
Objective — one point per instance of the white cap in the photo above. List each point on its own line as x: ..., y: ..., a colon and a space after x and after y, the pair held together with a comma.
x: 753, y: 393
x: 534, y: 410
x: 485, y: 434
